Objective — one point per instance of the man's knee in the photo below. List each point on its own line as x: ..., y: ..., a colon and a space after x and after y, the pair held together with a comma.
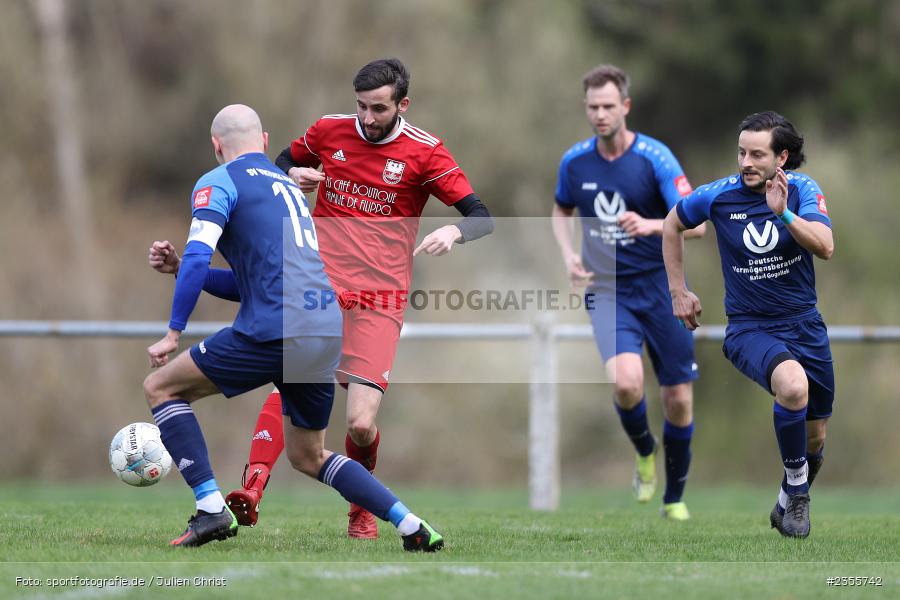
x: 793, y: 393
x: 361, y: 427
x: 152, y: 390
x: 362, y: 407
x: 629, y: 387
x: 307, y: 461
x: 791, y: 386
x: 627, y: 373
x: 677, y: 395
x: 678, y: 403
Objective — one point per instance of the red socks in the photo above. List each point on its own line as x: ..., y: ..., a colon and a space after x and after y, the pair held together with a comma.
x: 367, y: 456
x: 268, y: 441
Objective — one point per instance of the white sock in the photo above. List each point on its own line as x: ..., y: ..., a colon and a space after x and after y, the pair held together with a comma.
x: 214, y: 503
x: 797, y: 476
x: 409, y: 525
x: 782, y: 498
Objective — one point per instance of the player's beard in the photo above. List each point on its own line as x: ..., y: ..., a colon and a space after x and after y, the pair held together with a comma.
x: 384, y: 131
x: 764, y: 177
x: 612, y: 131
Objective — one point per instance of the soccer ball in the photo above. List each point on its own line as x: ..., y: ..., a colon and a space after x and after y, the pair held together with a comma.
x: 137, y: 455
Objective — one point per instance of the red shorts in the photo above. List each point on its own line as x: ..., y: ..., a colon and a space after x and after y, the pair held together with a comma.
x: 369, y: 345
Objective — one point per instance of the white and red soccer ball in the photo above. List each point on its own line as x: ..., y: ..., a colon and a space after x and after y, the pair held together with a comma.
x: 137, y: 455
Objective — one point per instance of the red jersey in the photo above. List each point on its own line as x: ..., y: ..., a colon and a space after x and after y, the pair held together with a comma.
x: 383, y: 186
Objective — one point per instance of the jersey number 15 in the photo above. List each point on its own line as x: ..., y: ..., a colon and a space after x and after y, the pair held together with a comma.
x: 294, y: 200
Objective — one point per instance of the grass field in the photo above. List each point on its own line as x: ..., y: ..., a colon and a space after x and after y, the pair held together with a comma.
x: 599, y: 544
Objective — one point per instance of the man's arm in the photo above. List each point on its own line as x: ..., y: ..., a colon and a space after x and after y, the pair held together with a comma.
x: 812, y: 235
x: 562, y: 220
x: 285, y: 161
x: 219, y: 282
x: 188, y: 286
x: 306, y: 178
x: 697, y: 232
x: 477, y: 220
x: 222, y: 284
x: 685, y: 304
x: 815, y: 237
x: 477, y: 223
x: 192, y: 271
x: 637, y: 226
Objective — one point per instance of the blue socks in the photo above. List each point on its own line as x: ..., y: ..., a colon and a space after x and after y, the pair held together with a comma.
x: 634, y: 420
x: 357, y: 486
x: 677, y: 445
x: 790, y: 430
x: 182, y: 437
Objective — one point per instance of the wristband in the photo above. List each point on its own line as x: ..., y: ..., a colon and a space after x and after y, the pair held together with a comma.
x: 787, y: 217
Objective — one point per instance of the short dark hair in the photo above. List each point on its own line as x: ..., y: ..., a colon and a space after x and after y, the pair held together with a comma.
x: 603, y: 74
x: 784, y: 135
x: 381, y: 72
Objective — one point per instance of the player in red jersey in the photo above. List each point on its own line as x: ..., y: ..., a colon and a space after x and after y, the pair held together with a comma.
x: 378, y: 172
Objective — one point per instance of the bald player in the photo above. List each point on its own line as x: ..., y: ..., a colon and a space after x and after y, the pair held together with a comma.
x: 259, y: 221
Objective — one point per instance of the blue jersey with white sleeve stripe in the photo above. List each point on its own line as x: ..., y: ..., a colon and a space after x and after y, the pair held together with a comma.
x: 269, y: 240
x: 646, y: 179
x: 768, y: 275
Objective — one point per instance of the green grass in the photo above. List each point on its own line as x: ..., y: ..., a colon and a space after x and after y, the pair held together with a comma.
x: 599, y: 544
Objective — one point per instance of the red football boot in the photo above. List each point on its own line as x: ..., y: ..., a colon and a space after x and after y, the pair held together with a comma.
x: 244, y: 503
x: 362, y: 524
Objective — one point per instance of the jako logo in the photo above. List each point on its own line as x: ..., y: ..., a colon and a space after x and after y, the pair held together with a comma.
x: 609, y: 210
x: 760, y: 243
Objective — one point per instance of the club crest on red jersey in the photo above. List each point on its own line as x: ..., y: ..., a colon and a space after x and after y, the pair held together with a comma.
x: 201, y: 197
x: 393, y: 171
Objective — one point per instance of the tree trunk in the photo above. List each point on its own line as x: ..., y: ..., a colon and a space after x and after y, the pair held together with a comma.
x: 66, y: 118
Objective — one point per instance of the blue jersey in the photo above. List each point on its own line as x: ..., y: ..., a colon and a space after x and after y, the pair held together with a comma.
x: 647, y: 179
x: 767, y: 274
x: 270, y: 242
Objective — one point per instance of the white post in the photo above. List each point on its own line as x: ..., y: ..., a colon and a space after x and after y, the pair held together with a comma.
x: 543, y: 421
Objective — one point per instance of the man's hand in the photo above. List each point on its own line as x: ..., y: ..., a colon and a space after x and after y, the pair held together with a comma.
x: 164, y: 258
x: 578, y: 276
x: 777, y: 192
x: 159, y: 352
x: 306, y: 178
x: 440, y: 241
x: 637, y: 226
x: 686, y: 308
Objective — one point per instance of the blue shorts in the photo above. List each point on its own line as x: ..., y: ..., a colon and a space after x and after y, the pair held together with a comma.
x: 757, y: 347
x: 639, y: 310
x: 301, y: 368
